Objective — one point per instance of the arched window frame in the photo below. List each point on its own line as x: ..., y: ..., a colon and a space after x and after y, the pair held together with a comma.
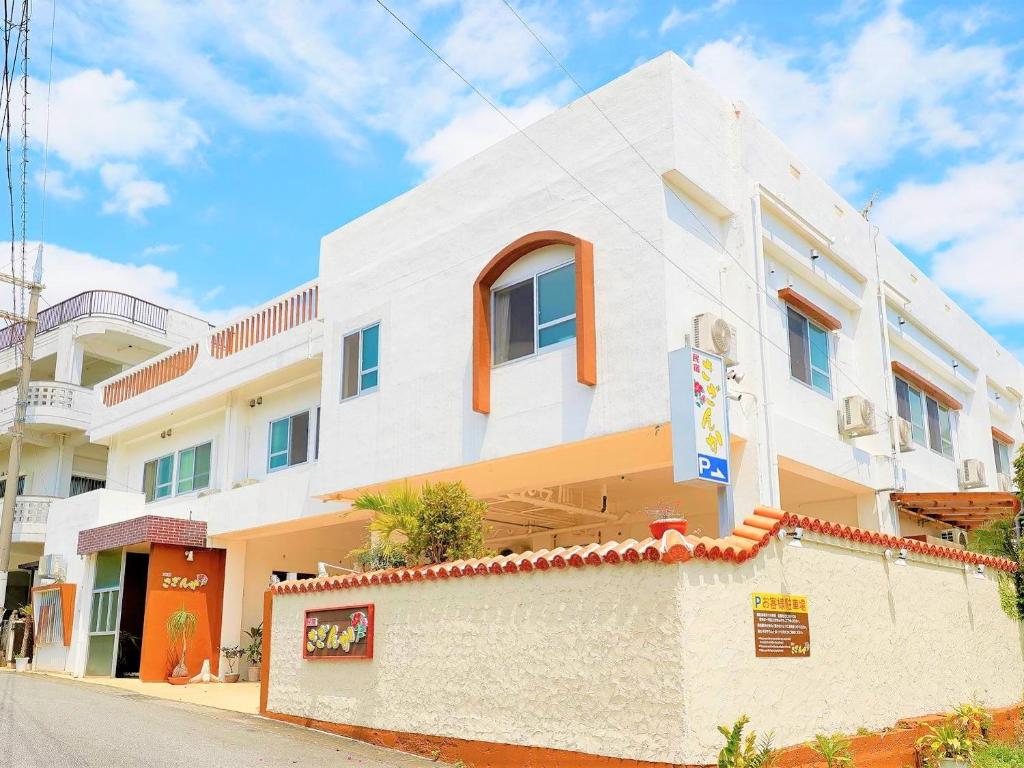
x: 586, y: 348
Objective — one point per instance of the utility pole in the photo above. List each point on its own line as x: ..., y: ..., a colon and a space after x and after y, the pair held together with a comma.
x: 18, y: 429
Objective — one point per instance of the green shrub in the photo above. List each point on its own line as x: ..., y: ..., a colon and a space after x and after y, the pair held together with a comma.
x: 745, y: 752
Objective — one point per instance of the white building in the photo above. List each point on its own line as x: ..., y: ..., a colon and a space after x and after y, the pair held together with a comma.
x: 508, y: 324
x: 81, y: 342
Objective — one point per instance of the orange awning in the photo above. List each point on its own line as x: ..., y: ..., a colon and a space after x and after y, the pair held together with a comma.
x: 963, y: 509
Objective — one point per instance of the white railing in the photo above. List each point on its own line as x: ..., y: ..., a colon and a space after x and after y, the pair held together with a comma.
x: 49, y: 401
x: 30, y: 514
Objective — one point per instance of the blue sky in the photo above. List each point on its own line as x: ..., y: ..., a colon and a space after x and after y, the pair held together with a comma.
x: 199, y: 150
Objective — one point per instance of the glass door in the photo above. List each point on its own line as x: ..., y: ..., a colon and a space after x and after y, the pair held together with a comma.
x: 105, y: 612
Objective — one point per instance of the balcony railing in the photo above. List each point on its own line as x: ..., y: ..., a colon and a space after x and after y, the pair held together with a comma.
x: 30, y: 513
x: 265, y: 323
x: 90, y: 304
x: 48, y: 402
x: 269, y: 321
x: 154, y: 374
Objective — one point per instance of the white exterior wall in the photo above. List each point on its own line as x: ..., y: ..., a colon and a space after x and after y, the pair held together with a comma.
x: 645, y: 661
x: 410, y: 264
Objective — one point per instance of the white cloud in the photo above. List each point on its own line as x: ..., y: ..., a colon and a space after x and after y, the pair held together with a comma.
x: 97, y: 117
x: 602, y: 19
x: 974, y: 217
x: 472, y: 131
x: 160, y: 249
x: 853, y: 113
x: 676, y: 17
x: 58, y: 184
x: 131, y: 194
x: 340, y: 70
x: 68, y: 272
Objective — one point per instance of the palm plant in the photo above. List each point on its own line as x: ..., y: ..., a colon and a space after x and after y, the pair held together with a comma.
x: 181, y: 627
x: 394, y: 512
x: 834, y: 749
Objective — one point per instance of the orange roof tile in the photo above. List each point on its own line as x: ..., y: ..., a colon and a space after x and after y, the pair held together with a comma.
x: 743, y: 544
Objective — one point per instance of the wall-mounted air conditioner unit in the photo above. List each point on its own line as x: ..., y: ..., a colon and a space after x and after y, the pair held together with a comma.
x: 972, y: 474
x: 52, y: 566
x: 957, y: 536
x: 857, y: 417
x: 904, y: 435
x: 712, y: 334
x: 1005, y: 482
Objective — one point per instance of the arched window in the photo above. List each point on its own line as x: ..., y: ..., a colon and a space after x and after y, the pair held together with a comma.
x: 539, y: 298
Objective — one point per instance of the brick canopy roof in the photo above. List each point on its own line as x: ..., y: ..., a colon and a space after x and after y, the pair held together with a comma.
x: 150, y: 529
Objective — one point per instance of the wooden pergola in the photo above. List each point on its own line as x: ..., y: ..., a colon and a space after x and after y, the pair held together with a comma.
x: 963, y: 509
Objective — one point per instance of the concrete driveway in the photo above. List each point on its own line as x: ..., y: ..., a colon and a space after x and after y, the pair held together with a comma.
x: 50, y: 722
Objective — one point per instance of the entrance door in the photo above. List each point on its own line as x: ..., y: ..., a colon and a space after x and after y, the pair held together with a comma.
x: 133, y: 612
x: 105, y: 613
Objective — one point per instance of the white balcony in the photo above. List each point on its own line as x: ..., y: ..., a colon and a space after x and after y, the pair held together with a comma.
x: 50, y: 403
x: 30, y: 513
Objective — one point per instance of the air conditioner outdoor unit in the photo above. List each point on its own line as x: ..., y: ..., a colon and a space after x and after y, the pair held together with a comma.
x: 957, y: 536
x: 712, y: 334
x: 52, y: 567
x: 972, y: 474
x: 857, y: 417
x: 904, y: 435
x: 1005, y: 482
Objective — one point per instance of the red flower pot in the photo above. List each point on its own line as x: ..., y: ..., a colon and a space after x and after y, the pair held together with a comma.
x: 178, y: 680
x: 658, y: 527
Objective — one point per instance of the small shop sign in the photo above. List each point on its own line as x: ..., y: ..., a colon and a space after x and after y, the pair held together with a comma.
x: 339, y: 633
x: 700, y: 417
x: 782, y: 626
x: 170, y: 581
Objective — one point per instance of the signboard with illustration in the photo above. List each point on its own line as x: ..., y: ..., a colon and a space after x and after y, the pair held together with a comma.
x: 339, y: 633
x: 782, y: 627
x: 700, y: 417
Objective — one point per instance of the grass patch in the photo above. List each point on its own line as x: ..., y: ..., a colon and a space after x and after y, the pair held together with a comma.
x: 999, y: 755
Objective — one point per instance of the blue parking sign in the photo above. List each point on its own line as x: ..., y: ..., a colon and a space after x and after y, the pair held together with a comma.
x: 712, y: 468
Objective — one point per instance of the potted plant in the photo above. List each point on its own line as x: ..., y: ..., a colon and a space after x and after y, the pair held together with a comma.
x: 232, y: 653
x: 254, y: 652
x: 181, y: 627
x: 21, y: 660
x: 948, y: 746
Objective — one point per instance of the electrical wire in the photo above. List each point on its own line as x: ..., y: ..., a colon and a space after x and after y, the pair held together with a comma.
x: 519, y: 130
x: 721, y: 246
x: 46, y: 137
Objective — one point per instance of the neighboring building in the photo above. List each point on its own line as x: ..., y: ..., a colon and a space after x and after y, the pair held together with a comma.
x: 80, y: 343
x: 508, y: 325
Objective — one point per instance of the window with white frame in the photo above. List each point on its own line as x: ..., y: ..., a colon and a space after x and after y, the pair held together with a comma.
x: 809, y: 353
x: 184, y: 472
x: 931, y: 422
x: 1002, y: 452
x: 360, y: 365
x: 534, y: 313
x: 289, y: 441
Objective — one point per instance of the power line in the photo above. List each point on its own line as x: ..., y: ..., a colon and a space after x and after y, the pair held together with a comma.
x: 697, y: 282
x: 46, y: 138
x: 721, y: 246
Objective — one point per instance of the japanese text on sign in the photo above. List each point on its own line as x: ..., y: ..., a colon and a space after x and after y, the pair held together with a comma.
x: 781, y: 626
x: 339, y: 633
x: 700, y: 417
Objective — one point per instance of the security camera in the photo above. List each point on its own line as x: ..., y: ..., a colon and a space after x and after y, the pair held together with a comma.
x: 735, y: 374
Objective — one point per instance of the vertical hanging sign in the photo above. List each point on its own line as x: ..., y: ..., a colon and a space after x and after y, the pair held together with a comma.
x: 700, y: 417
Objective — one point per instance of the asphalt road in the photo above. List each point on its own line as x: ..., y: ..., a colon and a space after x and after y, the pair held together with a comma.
x: 48, y: 722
